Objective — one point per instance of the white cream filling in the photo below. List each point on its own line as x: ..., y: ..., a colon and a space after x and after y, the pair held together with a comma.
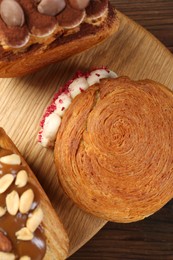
x: 51, y: 126
x: 96, y: 75
x: 62, y: 103
x: 53, y: 121
x: 77, y: 86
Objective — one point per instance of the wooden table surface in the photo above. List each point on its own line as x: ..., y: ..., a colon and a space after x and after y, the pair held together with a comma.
x: 150, y: 239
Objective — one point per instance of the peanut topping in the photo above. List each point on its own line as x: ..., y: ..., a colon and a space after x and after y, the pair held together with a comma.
x: 12, y: 13
x: 5, y: 182
x: 24, y: 234
x: 18, y: 200
x: 2, y: 211
x: 35, y: 219
x: 13, y: 159
x: 12, y: 202
x: 25, y: 257
x: 6, y: 256
x: 26, y: 201
x: 21, y: 179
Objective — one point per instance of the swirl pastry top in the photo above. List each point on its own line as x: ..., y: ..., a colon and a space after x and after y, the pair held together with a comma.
x: 114, y: 149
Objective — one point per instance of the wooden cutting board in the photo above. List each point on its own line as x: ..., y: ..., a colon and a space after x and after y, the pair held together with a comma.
x: 132, y: 52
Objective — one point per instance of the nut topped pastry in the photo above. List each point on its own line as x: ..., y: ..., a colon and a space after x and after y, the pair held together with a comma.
x: 114, y: 148
x: 39, y: 18
x: 26, y: 216
x: 38, y: 32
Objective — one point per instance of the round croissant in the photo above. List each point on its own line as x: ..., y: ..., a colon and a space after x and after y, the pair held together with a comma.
x: 114, y: 149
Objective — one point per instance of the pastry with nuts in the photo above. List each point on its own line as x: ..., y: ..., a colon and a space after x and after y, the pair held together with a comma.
x: 27, y: 219
x: 108, y: 133
x: 34, y: 33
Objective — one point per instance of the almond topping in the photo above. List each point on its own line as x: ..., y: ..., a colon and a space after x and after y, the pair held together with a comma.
x: 12, y: 202
x: 6, y: 256
x: 13, y: 159
x: 35, y: 219
x: 26, y: 201
x: 21, y: 179
x: 5, y: 243
x: 51, y: 7
x: 12, y: 13
x: 5, y: 182
x: 24, y: 234
x: 2, y: 211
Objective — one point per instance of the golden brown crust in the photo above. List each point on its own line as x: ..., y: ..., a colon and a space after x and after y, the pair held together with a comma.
x: 23, y: 63
x: 114, y: 149
x: 56, y: 237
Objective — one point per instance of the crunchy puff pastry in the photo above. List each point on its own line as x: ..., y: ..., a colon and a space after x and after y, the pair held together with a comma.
x: 114, y: 149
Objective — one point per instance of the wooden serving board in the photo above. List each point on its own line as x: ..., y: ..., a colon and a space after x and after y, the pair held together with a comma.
x: 132, y: 52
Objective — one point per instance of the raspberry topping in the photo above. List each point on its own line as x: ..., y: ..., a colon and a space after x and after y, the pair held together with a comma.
x: 62, y: 99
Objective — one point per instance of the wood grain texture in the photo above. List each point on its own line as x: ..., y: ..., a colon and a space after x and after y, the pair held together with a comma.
x: 152, y: 238
x: 154, y: 15
x: 131, y: 52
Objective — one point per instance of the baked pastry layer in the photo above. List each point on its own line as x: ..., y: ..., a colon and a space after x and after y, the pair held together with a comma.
x: 27, y: 22
x: 114, y: 149
x: 98, y: 24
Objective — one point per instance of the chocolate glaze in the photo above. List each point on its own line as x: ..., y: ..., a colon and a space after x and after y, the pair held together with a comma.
x: 9, y: 224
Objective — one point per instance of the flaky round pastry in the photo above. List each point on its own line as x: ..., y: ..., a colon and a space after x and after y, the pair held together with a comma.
x: 114, y: 149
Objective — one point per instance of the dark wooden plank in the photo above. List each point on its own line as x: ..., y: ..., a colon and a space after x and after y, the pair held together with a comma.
x: 155, y: 16
x: 149, y: 239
